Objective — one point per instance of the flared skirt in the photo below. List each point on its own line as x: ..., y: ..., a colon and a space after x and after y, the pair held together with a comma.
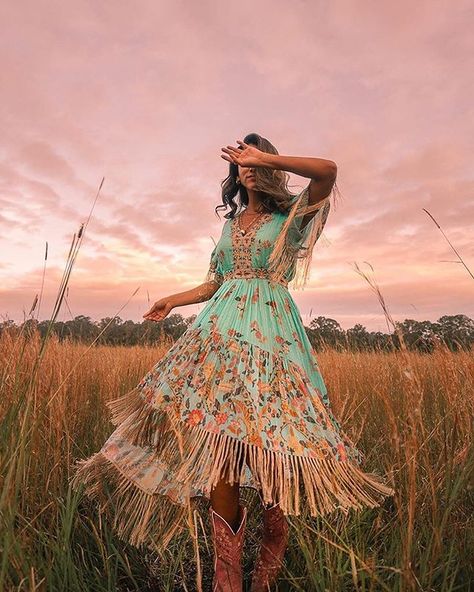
x: 239, y: 396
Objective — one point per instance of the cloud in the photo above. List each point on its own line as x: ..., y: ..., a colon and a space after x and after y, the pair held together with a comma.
x: 147, y: 95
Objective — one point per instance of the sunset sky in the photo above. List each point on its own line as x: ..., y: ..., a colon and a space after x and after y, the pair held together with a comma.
x: 146, y: 93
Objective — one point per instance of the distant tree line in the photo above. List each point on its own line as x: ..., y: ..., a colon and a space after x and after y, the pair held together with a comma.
x: 456, y: 332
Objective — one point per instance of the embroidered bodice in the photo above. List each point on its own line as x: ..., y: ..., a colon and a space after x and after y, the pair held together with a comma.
x: 237, y: 256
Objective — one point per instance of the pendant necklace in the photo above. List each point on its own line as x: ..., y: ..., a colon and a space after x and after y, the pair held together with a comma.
x: 243, y: 231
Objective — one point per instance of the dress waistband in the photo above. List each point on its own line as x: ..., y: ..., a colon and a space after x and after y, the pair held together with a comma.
x: 256, y: 274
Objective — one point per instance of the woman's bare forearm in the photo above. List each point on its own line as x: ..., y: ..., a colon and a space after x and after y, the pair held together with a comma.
x: 311, y: 167
x: 198, y: 294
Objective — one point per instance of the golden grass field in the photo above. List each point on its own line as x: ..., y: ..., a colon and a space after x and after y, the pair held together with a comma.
x: 411, y: 414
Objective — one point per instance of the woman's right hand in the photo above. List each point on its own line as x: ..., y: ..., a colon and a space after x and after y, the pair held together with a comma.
x: 159, y: 310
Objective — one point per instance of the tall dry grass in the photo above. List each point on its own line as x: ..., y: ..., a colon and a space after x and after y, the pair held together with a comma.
x: 411, y: 414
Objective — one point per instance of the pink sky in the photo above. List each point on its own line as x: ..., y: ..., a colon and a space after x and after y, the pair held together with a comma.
x: 147, y: 93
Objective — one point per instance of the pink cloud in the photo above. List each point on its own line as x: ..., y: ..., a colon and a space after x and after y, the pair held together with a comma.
x: 147, y: 95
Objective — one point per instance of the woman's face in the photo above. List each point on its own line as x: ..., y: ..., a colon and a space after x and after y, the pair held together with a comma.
x: 247, y: 176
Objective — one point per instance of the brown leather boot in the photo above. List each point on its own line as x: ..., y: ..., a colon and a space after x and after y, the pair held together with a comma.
x: 272, y: 549
x: 228, y: 546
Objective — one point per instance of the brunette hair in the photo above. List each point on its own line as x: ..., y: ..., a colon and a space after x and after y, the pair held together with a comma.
x: 271, y: 182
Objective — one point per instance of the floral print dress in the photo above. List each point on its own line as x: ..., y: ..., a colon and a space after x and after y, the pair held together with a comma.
x: 238, y: 396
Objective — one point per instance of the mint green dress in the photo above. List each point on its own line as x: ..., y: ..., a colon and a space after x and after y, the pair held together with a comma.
x: 238, y: 396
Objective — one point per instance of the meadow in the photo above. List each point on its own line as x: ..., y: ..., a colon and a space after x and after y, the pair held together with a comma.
x: 410, y: 413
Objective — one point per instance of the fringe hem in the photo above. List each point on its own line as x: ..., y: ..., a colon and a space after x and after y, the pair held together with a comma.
x: 137, y: 516
x: 202, y: 458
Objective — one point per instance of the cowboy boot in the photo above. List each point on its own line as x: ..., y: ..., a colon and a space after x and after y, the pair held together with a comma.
x: 272, y: 549
x: 228, y: 547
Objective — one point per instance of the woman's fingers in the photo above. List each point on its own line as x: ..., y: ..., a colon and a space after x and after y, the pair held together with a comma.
x: 236, y: 150
x: 151, y: 311
x: 159, y: 310
x: 232, y: 157
x: 154, y: 317
x: 231, y: 151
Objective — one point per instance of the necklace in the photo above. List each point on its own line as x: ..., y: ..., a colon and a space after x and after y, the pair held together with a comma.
x: 243, y: 231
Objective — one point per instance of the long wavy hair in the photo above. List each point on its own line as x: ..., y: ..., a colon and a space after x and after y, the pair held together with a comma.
x: 271, y: 182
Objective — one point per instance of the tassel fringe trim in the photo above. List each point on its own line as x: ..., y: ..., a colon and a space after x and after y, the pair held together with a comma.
x: 137, y: 516
x: 202, y: 458
x: 284, y: 254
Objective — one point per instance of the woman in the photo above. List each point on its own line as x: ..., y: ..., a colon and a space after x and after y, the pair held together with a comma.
x: 238, y: 400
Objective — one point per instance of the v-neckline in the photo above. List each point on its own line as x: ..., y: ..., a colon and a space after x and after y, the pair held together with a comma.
x: 254, y: 229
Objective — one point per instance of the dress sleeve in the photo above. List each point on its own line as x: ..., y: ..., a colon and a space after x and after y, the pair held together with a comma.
x: 307, y: 236
x: 214, y: 273
x: 295, y: 244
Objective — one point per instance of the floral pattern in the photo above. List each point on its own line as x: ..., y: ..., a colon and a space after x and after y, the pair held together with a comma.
x: 249, y: 391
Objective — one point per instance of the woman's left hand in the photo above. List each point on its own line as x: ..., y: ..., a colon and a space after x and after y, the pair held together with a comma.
x: 245, y: 155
